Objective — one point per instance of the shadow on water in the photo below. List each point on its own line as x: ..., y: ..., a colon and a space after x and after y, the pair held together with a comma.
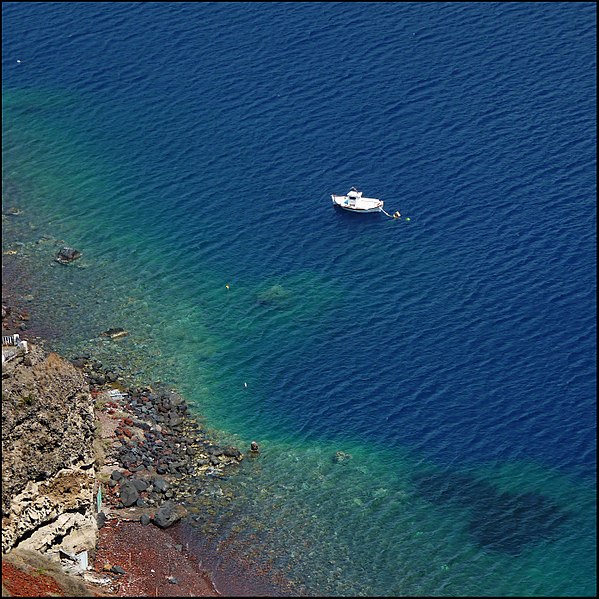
x: 499, y: 521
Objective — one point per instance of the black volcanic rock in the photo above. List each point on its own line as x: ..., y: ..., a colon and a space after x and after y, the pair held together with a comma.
x: 67, y: 255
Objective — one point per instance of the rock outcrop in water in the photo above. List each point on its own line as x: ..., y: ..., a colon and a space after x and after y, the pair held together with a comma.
x: 67, y: 255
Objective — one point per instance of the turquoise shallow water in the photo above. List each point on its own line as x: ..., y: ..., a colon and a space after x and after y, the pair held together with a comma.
x: 184, y: 148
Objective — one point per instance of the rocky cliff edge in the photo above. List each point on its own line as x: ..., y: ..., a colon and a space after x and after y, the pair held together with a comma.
x: 48, y: 458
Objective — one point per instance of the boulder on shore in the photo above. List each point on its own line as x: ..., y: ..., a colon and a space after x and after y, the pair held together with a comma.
x: 167, y: 515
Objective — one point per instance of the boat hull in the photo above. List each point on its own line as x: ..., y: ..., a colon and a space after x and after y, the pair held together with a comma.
x: 357, y: 210
x: 360, y: 206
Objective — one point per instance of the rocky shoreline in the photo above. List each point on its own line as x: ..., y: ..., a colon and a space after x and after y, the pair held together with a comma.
x: 157, y: 454
x: 155, y: 464
x: 158, y: 464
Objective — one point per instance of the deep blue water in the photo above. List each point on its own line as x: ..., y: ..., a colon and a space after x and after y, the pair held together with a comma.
x: 184, y: 147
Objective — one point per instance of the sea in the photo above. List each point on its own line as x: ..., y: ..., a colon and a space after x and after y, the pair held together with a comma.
x: 423, y: 388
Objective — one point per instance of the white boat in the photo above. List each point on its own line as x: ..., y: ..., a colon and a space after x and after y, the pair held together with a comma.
x: 354, y: 201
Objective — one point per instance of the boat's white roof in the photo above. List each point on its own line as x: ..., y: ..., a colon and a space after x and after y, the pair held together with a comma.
x: 359, y: 197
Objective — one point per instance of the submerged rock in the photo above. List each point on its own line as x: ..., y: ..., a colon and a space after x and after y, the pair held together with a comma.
x: 14, y: 211
x: 276, y: 296
x: 341, y: 456
x: 115, y: 333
